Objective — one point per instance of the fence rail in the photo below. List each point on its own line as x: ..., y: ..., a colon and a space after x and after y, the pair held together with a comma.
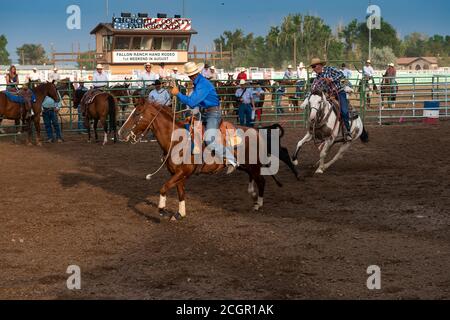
x: 373, y: 105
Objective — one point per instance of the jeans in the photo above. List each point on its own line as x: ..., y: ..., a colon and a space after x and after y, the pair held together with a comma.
x: 245, y: 115
x: 212, y: 120
x: 344, y: 108
x: 50, y: 122
x: 278, y: 99
x: 80, y: 122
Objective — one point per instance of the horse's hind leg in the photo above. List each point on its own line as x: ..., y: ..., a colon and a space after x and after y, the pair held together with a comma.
x: 284, y: 156
x: 306, y: 139
x: 95, y: 130
x: 181, y: 199
x: 173, y: 181
x: 260, y: 182
x: 37, y: 125
x: 105, y: 130
x: 338, y: 155
x: 251, y: 188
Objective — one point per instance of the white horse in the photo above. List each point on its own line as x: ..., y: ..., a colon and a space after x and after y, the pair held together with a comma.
x: 326, y: 128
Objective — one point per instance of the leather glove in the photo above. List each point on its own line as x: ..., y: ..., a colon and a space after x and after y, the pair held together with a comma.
x: 175, y: 91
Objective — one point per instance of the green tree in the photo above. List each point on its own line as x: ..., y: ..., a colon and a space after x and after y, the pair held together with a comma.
x: 382, y: 57
x: 90, y: 65
x: 384, y: 37
x: 32, y: 54
x: 4, y: 54
x: 349, y: 36
x: 414, y: 45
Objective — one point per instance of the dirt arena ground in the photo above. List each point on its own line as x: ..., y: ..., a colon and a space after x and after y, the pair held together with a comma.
x: 387, y: 204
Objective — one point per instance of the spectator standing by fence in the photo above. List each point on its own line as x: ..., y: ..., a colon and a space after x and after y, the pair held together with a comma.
x: 246, y: 104
x: 50, y: 110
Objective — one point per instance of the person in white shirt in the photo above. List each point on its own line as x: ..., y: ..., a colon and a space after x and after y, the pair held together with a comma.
x: 369, y: 73
x: 302, y: 76
x: 175, y: 75
x: 100, y: 78
x: 34, y: 76
x: 160, y: 95
x: 301, y: 72
x: 162, y: 72
x: 54, y: 76
x: 148, y: 78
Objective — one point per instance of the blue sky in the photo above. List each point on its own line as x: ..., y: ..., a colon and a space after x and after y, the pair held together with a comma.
x: 44, y: 21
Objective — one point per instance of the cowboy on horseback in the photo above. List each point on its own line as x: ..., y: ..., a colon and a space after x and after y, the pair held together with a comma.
x: 333, y: 77
x: 205, y: 98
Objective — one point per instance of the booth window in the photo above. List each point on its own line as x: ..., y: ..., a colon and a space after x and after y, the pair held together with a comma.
x: 107, y: 43
x: 157, y: 42
x: 180, y: 44
x: 146, y: 43
x: 167, y: 43
x: 136, y: 43
x: 122, y: 43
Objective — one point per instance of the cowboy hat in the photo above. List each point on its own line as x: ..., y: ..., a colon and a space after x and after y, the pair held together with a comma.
x: 301, y: 65
x: 192, y: 68
x: 175, y: 69
x: 55, y: 69
x: 391, y: 65
x: 289, y: 66
x: 34, y: 69
x: 99, y: 66
x: 148, y: 64
x: 206, y: 66
x: 369, y: 62
x: 213, y: 68
x: 315, y: 61
x: 243, y: 70
x: 242, y: 82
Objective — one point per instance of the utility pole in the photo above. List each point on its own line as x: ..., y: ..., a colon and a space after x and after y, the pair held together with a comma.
x: 107, y: 10
x: 184, y: 9
x: 295, y: 50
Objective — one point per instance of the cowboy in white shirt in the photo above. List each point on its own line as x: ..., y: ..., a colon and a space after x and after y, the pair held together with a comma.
x: 160, y: 95
x: 34, y: 76
x: 162, y: 72
x: 100, y: 78
x: 54, y: 76
x: 175, y: 75
x: 301, y: 72
x: 368, y: 70
x: 148, y: 78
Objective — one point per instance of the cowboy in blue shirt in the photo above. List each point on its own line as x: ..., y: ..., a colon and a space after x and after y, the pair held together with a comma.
x: 206, y: 99
x: 333, y: 76
x: 50, y: 109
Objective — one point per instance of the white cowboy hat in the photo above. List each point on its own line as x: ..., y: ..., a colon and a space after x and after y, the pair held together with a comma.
x: 301, y: 65
x: 289, y: 66
x: 35, y: 69
x: 192, y: 68
x: 148, y: 64
x: 243, y: 70
x: 391, y: 65
x: 55, y: 69
x: 175, y: 69
x: 242, y: 82
x: 213, y: 68
x: 368, y: 61
x: 99, y: 66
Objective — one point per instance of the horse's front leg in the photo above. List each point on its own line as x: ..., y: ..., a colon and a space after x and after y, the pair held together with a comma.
x: 306, y: 139
x: 95, y: 130
x: 173, y: 181
x: 105, y: 129
x: 181, y: 201
x: 37, y: 125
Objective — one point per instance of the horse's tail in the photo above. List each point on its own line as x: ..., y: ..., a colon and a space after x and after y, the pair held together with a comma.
x: 364, y: 136
x: 112, y: 113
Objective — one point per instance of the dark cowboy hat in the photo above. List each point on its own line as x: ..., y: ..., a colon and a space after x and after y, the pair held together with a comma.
x: 207, y: 66
x: 157, y: 83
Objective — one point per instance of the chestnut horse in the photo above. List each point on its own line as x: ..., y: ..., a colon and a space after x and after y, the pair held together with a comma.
x: 161, y: 120
x: 12, y: 111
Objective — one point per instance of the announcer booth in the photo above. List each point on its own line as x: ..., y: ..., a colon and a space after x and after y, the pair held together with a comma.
x: 130, y: 41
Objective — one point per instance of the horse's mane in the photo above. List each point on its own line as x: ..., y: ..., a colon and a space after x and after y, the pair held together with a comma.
x: 161, y: 109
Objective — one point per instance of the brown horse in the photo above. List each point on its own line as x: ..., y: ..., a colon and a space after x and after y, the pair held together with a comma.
x: 151, y: 116
x: 12, y: 111
x: 102, y: 107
